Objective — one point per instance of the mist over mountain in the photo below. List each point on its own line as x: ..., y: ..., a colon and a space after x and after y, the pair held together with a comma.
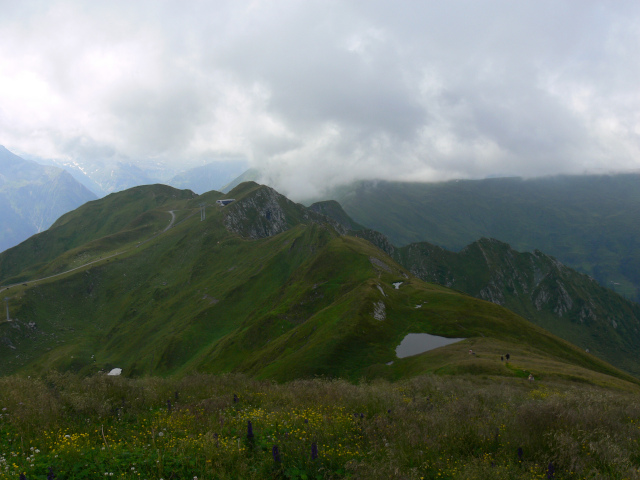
x: 588, y: 222
x: 108, y: 172
x: 33, y: 196
x: 212, y: 176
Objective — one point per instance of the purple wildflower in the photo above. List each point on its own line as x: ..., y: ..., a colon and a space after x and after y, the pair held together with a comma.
x: 550, y: 471
x: 276, y: 454
x: 249, y: 430
x: 314, y: 451
x: 520, y: 453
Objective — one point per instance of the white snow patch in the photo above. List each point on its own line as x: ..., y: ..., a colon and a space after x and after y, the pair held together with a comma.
x: 115, y: 371
x: 379, y: 311
x: 381, y: 291
x: 396, y: 285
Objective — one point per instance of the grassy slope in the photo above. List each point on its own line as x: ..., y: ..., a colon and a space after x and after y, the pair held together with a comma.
x: 291, y: 305
x: 534, y: 285
x: 122, y: 217
x: 565, y: 302
x: 430, y: 426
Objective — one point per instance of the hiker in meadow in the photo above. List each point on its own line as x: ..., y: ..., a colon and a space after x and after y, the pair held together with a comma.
x: 507, y: 356
x: 530, y: 377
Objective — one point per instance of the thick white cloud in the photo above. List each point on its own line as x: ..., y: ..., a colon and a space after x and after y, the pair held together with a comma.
x: 319, y: 93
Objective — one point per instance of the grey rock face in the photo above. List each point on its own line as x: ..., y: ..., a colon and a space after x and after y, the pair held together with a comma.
x: 379, y: 311
x: 265, y: 213
x: 380, y: 264
x: 258, y: 216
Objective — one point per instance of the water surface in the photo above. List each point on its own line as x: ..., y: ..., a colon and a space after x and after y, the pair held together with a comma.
x: 415, y: 343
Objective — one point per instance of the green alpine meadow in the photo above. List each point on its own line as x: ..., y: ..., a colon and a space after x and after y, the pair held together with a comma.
x: 160, y: 334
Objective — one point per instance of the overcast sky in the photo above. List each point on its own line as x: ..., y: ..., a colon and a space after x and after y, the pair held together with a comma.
x: 324, y: 92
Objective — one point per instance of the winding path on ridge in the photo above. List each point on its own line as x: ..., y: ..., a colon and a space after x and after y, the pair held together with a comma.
x: 173, y: 219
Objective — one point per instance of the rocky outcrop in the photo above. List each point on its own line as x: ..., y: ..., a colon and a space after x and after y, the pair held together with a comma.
x: 263, y: 212
x: 379, y: 311
x: 258, y: 215
x: 378, y: 239
x: 380, y: 264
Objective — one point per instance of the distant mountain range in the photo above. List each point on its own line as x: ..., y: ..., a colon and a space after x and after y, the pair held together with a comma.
x: 142, y: 280
x: 33, y: 196
x: 590, y: 223
x: 113, y: 173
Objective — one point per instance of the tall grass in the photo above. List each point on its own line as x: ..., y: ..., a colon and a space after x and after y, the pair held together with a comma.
x: 428, y: 427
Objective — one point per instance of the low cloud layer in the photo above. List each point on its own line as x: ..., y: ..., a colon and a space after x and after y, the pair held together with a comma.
x: 320, y: 93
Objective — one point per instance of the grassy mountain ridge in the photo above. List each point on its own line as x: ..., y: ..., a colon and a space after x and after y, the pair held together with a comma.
x: 535, y: 286
x: 588, y: 222
x: 117, y: 213
x: 269, y: 288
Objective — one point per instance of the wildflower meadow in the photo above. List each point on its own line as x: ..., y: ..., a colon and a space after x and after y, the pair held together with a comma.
x: 231, y: 426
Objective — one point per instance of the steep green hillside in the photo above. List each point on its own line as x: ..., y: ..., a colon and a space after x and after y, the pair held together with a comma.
x: 111, y: 222
x: 267, y: 287
x: 535, y: 286
x: 590, y: 223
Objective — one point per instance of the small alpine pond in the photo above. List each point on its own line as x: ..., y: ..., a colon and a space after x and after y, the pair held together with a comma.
x: 415, y: 343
